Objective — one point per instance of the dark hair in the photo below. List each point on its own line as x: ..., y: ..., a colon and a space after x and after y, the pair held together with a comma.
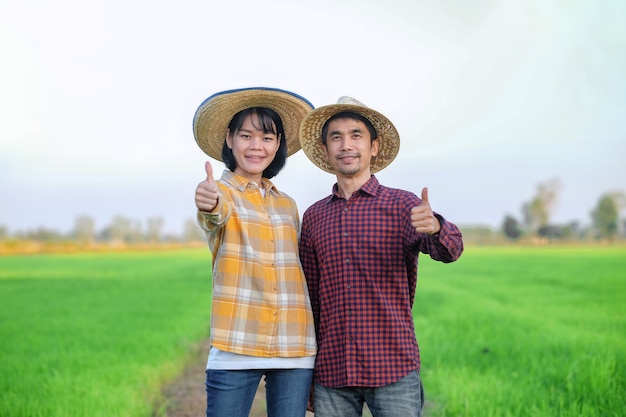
x: 270, y: 123
x: 353, y: 116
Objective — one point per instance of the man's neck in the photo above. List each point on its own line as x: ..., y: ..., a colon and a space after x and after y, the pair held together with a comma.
x: 347, y: 185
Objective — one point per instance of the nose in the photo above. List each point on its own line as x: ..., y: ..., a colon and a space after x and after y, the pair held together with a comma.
x: 346, y: 144
x: 255, y: 143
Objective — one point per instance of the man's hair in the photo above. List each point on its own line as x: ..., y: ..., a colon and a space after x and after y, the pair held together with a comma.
x: 353, y: 116
x: 270, y: 122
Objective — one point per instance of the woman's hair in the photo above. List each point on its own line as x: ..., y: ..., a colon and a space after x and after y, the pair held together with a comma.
x: 270, y: 122
x: 353, y: 116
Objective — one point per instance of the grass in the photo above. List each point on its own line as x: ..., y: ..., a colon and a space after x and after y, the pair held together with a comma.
x: 97, y: 334
x: 524, y: 331
x: 503, y: 331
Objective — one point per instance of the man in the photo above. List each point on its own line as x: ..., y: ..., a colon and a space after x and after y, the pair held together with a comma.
x: 359, y: 249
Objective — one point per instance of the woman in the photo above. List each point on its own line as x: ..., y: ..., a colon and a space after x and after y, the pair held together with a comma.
x: 261, y: 320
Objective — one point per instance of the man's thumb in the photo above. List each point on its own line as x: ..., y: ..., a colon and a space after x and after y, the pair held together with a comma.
x: 425, y: 196
x: 209, y: 171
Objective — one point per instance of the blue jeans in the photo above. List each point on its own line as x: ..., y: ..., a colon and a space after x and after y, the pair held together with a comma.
x: 403, y: 398
x: 231, y: 393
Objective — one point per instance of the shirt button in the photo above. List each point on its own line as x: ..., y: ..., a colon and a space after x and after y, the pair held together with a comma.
x: 348, y: 260
x: 345, y: 235
x: 345, y: 209
x: 348, y: 286
x: 349, y: 313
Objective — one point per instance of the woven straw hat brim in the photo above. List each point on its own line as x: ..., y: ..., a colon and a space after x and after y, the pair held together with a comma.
x: 210, y: 123
x: 311, y: 135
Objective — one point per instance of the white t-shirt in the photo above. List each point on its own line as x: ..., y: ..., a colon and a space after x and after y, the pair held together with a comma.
x: 218, y: 359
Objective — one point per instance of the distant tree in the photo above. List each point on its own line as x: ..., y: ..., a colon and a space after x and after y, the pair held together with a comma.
x: 572, y: 230
x: 4, y: 232
x: 538, y: 210
x: 104, y: 235
x: 511, y: 227
x: 155, y: 227
x: 550, y: 232
x: 44, y: 234
x: 534, y: 215
x: 605, y: 216
x: 84, y: 229
x: 192, y: 231
x: 135, y: 234
x: 120, y: 230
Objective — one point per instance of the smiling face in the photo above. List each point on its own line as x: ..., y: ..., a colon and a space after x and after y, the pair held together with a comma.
x: 253, y: 148
x: 349, y: 148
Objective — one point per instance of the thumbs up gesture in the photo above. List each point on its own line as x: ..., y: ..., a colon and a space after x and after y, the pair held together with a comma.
x: 422, y: 217
x: 206, y: 191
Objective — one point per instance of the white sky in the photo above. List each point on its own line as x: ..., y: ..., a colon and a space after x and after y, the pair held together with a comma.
x: 491, y: 98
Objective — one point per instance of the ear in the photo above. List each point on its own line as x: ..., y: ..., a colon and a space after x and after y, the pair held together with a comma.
x: 229, y: 140
x: 375, y: 145
x: 325, y: 148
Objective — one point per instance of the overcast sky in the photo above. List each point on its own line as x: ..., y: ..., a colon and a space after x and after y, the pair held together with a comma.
x: 490, y: 98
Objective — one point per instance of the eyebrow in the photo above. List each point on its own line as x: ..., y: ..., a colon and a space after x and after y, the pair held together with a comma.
x: 269, y: 132
x: 355, y: 130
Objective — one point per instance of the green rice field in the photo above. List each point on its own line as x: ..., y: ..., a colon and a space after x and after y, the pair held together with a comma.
x: 524, y: 332
x: 98, y: 334
x: 512, y: 331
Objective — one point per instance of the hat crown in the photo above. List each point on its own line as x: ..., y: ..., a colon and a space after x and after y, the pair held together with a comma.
x: 349, y: 100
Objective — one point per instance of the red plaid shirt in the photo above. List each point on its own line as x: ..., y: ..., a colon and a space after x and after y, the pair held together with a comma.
x: 360, y: 261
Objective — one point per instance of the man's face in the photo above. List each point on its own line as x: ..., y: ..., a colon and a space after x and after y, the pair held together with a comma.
x: 349, y: 147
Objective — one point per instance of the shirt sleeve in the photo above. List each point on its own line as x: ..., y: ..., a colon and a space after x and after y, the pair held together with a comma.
x: 215, y: 220
x: 446, y: 245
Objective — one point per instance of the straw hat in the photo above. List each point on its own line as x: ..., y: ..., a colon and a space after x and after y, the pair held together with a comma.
x: 211, y: 120
x: 311, y: 133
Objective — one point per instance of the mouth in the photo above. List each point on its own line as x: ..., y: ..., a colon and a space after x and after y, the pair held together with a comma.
x: 255, y: 158
x: 347, y: 158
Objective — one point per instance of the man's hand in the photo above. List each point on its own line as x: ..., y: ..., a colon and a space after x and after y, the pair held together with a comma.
x: 422, y: 217
x: 206, y: 192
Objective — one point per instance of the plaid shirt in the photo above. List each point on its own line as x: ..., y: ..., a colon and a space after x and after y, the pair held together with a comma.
x: 260, y: 302
x: 360, y: 260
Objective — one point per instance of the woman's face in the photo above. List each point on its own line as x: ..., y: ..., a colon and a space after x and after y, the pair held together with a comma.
x: 253, y: 149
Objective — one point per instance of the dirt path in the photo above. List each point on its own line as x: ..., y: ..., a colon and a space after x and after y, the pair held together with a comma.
x: 185, y: 396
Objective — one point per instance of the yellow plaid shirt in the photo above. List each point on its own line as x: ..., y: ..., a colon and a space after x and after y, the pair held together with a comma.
x: 260, y: 303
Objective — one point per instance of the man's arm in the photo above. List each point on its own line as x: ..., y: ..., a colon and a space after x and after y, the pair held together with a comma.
x: 445, y: 241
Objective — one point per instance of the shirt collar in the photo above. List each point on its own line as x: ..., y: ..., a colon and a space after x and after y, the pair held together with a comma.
x: 370, y: 187
x: 242, y: 183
